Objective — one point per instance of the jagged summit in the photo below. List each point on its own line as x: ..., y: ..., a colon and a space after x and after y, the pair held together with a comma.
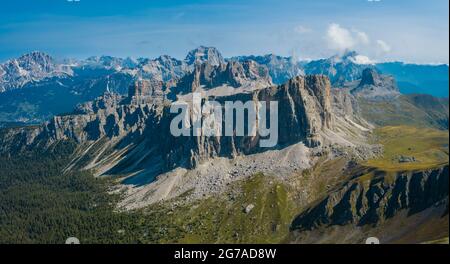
x: 130, y: 62
x: 37, y: 57
x: 231, y: 74
x: 204, y: 54
x: 33, y: 66
x: 164, y: 68
x: 104, y: 60
x: 281, y: 69
x: 376, y: 86
x: 370, y: 77
x: 339, y: 68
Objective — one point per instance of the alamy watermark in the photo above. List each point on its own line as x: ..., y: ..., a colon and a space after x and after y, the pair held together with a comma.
x: 197, y: 119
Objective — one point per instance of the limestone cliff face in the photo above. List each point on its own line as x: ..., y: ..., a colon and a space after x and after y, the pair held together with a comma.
x: 133, y: 133
x: 304, y: 107
x: 370, y: 201
x: 304, y: 110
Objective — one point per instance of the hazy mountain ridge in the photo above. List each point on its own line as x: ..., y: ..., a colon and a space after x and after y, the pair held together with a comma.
x: 62, y: 85
x: 340, y: 68
x: 281, y: 69
x: 30, y: 67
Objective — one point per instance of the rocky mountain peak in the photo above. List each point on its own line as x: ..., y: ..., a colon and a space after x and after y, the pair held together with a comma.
x: 130, y: 62
x: 339, y: 68
x: 376, y: 86
x: 170, y: 63
x: 33, y: 66
x: 237, y: 74
x: 349, y: 54
x: 35, y: 57
x: 319, y: 87
x: 254, y: 70
x: 370, y: 77
x: 281, y: 69
x: 108, y: 62
x: 164, y: 69
x: 233, y: 73
x: 204, y: 54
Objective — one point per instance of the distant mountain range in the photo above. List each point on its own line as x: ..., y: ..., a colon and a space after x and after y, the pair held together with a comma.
x: 34, y: 66
x: 36, y: 86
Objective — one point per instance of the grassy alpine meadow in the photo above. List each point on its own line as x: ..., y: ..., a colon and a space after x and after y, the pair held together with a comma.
x: 409, y: 148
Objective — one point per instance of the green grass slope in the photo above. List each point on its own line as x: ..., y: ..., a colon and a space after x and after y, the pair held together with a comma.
x: 428, y: 146
x: 412, y: 110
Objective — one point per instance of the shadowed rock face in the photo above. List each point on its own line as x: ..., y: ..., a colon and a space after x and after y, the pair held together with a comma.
x: 362, y: 202
x: 375, y: 86
x: 370, y: 77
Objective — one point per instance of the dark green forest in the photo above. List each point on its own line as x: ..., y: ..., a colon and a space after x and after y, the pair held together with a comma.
x: 41, y: 204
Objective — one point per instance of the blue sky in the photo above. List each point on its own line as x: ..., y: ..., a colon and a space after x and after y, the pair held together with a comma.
x: 408, y: 30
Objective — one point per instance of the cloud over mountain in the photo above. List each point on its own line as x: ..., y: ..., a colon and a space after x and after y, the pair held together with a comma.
x: 383, y: 46
x: 342, y: 39
x: 339, y: 38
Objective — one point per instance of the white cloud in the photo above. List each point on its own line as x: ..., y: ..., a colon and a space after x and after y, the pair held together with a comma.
x: 362, y: 37
x: 383, y: 46
x: 300, y: 29
x: 339, y: 38
x: 361, y: 59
